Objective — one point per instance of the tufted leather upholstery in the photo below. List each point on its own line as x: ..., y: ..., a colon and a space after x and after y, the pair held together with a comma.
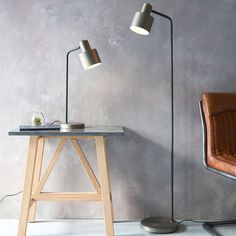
x: 220, y: 115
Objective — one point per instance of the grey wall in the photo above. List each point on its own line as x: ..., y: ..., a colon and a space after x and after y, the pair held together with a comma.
x: 131, y: 88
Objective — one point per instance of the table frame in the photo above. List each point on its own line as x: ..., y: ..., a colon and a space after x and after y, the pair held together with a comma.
x: 34, y: 181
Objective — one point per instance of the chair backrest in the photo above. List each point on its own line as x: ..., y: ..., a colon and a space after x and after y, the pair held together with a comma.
x: 219, y: 111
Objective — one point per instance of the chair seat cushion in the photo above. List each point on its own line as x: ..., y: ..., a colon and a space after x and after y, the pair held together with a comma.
x: 225, y: 163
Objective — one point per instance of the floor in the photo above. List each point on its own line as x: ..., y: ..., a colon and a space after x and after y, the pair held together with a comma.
x: 96, y: 228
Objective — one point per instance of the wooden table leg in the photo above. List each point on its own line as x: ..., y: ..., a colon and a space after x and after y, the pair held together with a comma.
x: 26, y: 199
x: 36, y: 178
x: 105, y: 184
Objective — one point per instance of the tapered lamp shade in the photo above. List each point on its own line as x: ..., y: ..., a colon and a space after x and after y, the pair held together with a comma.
x: 89, y: 58
x: 142, y: 21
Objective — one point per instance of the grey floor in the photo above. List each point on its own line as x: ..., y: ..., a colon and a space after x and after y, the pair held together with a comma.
x: 96, y: 228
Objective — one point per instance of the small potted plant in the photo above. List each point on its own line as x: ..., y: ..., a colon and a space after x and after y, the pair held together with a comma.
x: 37, y: 118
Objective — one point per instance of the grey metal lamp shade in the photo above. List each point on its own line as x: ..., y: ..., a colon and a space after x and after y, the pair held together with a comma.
x: 142, y: 21
x: 89, y: 58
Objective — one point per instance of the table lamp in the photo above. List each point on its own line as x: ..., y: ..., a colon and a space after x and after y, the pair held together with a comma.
x: 89, y: 59
x: 142, y: 24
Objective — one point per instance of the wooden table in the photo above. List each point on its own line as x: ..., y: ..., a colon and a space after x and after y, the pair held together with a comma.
x: 34, y: 181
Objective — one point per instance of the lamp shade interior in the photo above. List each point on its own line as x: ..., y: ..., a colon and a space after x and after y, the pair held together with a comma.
x: 93, y: 66
x: 139, y: 30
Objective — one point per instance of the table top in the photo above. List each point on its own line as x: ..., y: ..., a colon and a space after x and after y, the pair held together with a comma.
x: 87, y: 131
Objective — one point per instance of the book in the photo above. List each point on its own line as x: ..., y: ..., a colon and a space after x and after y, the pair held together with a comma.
x: 39, y: 127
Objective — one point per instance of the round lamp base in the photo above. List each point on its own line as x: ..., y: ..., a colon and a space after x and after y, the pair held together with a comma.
x: 159, y: 225
x: 72, y: 125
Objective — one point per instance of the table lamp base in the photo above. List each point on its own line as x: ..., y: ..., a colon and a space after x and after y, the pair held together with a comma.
x: 159, y: 225
x: 72, y: 125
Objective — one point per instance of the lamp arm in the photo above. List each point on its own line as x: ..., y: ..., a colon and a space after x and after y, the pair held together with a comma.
x: 172, y: 108
x: 162, y: 15
x: 67, y: 70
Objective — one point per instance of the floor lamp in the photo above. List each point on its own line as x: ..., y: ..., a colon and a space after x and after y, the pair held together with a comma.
x: 89, y: 59
x: 141, y: 24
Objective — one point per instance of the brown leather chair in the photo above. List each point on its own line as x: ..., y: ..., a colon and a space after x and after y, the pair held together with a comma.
x: 218, y: 116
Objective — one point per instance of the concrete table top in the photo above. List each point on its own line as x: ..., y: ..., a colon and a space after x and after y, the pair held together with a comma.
x: 87, y: 131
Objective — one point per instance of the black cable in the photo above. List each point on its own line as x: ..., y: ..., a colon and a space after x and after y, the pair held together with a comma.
x: 209, y: 225
x: 55, y: 121
x: 194, y: 221
x: 10, y: 195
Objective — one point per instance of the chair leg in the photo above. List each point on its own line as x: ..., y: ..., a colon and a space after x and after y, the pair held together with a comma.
x: 37, y: 172
x: 209, y: 226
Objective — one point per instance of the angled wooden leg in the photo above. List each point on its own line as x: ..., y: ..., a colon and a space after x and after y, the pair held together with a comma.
x: 50, y: 166
x: 86, y: 165
x: 105, y: 184
x: 26, y: 199
x: 37, y: 172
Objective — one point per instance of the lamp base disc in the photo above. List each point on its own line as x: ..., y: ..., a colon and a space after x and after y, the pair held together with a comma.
x: 72, y: 125
x: 159, y: 225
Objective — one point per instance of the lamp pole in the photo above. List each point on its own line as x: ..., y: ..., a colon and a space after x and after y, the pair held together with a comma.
x: 67, y: 75
x: 172, y: 107
x: 141, y: 24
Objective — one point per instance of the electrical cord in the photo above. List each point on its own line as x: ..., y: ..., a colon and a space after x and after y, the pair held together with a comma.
x: 55, y: 121
x: 10, y: 195
x: 209, y: 225
x: 194, y: 221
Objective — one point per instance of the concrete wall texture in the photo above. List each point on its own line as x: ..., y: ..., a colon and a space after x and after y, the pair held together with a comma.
x: 131, y: 88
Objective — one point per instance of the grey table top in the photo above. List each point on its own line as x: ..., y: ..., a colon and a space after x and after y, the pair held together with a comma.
x: 87, y: 131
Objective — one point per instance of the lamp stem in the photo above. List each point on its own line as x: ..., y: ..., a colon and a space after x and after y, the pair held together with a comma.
x: 172, y: 109
x: 67, y: 75
x: 172, y: 124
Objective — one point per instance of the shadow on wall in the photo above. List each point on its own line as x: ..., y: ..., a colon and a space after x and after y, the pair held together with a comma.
x: 142, y: 191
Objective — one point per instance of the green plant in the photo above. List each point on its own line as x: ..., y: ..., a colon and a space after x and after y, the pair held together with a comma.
x: 37, y: 121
